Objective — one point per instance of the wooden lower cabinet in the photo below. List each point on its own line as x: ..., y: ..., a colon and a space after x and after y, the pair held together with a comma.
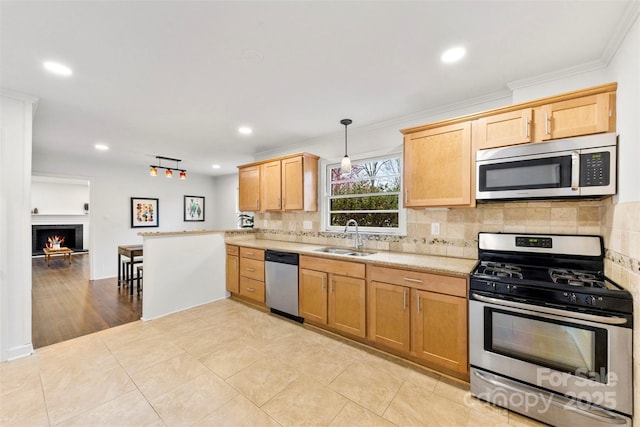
x: 252, y: 289
x: 233, y: 269
x: 312, y: 290
x: 347, y: 308
x: 439, y: 330
x: 389, y: 315
x: 332, y: 293
x: 419, y: 315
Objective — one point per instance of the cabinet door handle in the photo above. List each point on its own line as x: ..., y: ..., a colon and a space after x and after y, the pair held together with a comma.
x: 404, y: 299
x: 418, y: 299
x: 406, y: 194
x: 527, y: 126
x: 331, y: 285
x: 250, y: 253
x: 547, y: 123
x: 257, y: 203
x: 409, y: 279
x: 250, y: 269
x: 251, y: 289
x: 324, y: 286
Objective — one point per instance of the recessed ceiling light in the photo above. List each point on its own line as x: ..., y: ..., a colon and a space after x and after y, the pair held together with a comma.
x: 101, y: 147
x: 57, y: 68
x: 452, y: 55
x: 215, y: 166
x: 245, y: 130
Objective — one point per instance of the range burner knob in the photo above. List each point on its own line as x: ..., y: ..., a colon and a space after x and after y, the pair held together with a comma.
x: 571, y: 297
x: 491, y: 285
x: 590, y: 299
x: 511, y: 288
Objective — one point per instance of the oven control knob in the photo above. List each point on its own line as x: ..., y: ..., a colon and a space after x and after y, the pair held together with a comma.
x: 590, y: 299
x: 572, y: 297
x: 491, y: 285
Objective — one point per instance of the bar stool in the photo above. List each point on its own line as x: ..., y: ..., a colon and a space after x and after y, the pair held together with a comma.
x: 139, y: 278
x: 128, y: 276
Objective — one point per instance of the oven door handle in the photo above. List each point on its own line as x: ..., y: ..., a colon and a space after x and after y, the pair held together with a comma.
x: 571, y: 314
x: 596, y: 413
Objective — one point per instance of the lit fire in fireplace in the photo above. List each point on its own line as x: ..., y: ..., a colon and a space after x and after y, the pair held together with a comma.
x: 54, y: 242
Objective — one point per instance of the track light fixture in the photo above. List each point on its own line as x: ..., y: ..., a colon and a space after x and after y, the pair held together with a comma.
x: 153, y: 169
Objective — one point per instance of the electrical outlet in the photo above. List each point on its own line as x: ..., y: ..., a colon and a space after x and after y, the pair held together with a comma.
x: 435, y: 229
x: 307, y: 225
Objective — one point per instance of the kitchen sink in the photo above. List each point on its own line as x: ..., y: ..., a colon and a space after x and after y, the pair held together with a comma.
x: 344, y: 251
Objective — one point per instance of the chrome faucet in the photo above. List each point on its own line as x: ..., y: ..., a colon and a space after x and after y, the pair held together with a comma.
x: 358, y: 242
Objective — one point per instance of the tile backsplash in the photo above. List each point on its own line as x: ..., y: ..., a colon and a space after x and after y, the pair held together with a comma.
x: 459, y: 227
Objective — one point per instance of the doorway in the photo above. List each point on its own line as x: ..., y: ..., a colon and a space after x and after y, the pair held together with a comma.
x: 65, y: 303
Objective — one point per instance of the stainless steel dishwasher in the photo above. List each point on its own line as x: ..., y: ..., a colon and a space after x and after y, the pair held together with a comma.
x: 281, y: 283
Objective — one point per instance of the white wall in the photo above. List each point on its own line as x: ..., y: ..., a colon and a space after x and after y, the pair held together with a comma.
x: 625, y: 69
x: 226, y: 202
x: 15, y: 225
x: 182, y: 271
x: 59, y: 196
x: 112, y: 187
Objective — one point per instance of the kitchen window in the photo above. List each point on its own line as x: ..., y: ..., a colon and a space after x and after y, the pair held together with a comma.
x: 371, y: 194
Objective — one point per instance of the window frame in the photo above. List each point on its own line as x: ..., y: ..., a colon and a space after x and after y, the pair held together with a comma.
x: 401, y: 230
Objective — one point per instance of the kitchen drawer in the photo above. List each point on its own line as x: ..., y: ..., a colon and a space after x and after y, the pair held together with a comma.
x: 456, y: 286
x: 252, y: 269
x: 251, y: 288
x: 233, y: 250
x: 252, y: 253
x: 342, y: 268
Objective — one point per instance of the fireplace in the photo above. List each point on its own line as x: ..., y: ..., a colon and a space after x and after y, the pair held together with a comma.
x: 72, y: 234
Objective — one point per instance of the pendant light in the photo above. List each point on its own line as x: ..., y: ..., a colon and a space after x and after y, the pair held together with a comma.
x: 168, y: 171
x: 345, y: 166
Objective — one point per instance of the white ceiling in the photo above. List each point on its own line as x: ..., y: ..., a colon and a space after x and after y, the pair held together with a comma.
x: 177, y: 78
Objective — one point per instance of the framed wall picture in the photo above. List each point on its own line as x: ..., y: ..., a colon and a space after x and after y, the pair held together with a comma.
x: 144, y: 212
x: 193, y: 208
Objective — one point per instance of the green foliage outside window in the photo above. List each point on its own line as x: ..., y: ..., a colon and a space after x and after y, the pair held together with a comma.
x: 370, y: 194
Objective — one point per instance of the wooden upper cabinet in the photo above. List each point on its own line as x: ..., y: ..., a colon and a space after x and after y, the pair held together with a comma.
x: 272, y: 185
x: 580, y: 116
x: 437, y: 166
x: 514, y: 127
x: 249, y: 188
x: 287, y: 183
x: 293, y: 185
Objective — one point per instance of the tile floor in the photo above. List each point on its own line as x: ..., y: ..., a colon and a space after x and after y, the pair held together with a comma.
x: 227, y: 364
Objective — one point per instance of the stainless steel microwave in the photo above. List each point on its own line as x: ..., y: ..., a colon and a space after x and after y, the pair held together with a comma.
x: 573, y: 167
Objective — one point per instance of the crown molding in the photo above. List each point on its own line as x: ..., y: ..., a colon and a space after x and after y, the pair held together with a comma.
x: 629, y: 17
x: 556, y: 75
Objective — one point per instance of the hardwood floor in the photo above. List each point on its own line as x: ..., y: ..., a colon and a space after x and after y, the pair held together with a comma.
x: 66, y: 304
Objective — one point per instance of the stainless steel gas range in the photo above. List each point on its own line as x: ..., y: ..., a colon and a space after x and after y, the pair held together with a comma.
x: 549, y: 336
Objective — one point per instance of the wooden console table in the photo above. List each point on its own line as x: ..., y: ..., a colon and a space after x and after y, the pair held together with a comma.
x: 62, y: 251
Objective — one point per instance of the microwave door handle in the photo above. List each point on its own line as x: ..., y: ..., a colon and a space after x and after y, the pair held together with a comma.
x: 575, y: 170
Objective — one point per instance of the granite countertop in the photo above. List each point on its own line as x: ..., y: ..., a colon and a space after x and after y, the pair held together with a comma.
x: 460, y: 267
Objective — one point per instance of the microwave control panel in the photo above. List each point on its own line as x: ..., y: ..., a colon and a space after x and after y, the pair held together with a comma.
x: 595, y: 169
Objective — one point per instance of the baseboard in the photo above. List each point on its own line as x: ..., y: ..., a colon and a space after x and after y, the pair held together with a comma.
x: 19, y: 352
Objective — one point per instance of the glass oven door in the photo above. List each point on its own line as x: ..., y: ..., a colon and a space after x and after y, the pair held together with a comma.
x: 576, y: 354
x: 555, y: 344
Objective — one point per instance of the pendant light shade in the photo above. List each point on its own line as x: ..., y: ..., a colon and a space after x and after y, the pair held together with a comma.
x: 153, y: 171
x: 345, y: 166
x: 168, y: 173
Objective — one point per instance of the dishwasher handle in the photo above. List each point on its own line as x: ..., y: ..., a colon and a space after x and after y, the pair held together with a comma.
x: 281, y: 257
